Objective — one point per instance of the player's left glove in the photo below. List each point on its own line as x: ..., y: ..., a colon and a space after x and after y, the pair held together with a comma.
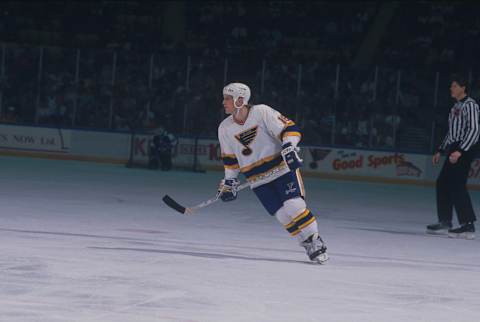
x: 290, y: 156
x: 227, y: 191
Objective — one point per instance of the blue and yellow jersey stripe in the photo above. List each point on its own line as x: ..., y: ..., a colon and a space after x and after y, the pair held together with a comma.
x: 261, y: 167
x: 291, y: 129
x: 230, y: 161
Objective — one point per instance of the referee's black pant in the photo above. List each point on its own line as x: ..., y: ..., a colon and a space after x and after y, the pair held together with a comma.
x: 452, y: 190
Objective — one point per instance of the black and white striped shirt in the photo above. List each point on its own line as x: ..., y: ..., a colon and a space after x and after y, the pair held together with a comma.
x: 463, y: 126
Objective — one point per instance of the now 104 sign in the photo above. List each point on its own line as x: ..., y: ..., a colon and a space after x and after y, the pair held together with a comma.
x: 34, y: 139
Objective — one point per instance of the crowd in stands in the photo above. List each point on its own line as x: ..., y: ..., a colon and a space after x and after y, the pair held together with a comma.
x: 439, y: 35
x: 297, y: 61
x: 107, y: 24
x: 330, y: 32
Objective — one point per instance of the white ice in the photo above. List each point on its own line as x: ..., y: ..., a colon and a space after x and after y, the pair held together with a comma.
x: 93, y: 242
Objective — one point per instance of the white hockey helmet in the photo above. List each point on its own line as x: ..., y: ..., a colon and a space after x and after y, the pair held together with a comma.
x: 237, y: 90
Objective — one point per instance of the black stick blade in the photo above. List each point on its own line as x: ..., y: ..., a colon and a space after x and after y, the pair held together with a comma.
x: 173, y: 204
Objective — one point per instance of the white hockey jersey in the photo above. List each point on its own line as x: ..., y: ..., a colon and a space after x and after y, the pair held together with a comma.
x: 253, y: 148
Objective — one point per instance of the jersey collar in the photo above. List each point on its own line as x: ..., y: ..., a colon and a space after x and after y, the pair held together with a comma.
x: 242, y: 122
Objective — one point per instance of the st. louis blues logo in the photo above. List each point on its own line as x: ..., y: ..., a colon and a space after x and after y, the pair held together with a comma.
x: 291, y: 188
x: 246, y: 138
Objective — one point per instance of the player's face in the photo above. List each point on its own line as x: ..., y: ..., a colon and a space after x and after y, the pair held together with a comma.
x: 456, y: 90
x: 228, y: 104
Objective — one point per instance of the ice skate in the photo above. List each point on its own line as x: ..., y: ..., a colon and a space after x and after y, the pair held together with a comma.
x: 440, y: 228
x: 315, y: 248
x: 466, y: 231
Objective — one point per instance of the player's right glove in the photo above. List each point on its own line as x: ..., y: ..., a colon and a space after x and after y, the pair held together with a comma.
x: 227, y: 191
x: 290, y: 156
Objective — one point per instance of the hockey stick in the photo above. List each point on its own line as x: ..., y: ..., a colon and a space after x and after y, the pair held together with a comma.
x: 190, y: 210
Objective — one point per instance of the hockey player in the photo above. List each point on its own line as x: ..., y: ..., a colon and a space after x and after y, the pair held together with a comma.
x: 261, y: 143
x: 161, y: 148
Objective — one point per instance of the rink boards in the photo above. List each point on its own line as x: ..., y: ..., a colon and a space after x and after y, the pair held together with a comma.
x: 351, y: 164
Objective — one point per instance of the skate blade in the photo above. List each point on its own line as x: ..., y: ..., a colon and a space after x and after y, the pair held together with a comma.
x: 468, y: 236
x: 442, y: 232
x: 320, y: 259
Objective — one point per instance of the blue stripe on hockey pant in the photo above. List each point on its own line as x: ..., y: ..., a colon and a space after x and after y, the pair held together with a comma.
x: 272, y: 195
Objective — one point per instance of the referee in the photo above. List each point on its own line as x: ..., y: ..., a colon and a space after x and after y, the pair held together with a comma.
x: 459, y: 146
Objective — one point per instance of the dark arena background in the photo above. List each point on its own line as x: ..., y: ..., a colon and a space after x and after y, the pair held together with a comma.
x: 108, y: 106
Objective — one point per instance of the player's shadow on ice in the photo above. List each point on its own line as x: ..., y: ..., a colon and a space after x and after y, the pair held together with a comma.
x: 57, y: 233
x: 201, y: 254
x: 389, y: 231
x: 404, y: 232
x: 145, y: 241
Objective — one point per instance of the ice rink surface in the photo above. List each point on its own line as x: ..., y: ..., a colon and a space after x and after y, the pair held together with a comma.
x: 93, y: 242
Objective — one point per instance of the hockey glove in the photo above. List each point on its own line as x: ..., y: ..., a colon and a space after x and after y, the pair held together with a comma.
x: 290, y: 156
x: 227, y: 191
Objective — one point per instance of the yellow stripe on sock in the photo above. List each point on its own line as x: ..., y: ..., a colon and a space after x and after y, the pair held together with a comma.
x: 296, y: 232
x: 307, y: 223
x: 294, y: 221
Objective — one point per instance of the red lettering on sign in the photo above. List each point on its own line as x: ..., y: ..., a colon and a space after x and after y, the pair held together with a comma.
x: 375, y: 162
x: 339, y: 164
